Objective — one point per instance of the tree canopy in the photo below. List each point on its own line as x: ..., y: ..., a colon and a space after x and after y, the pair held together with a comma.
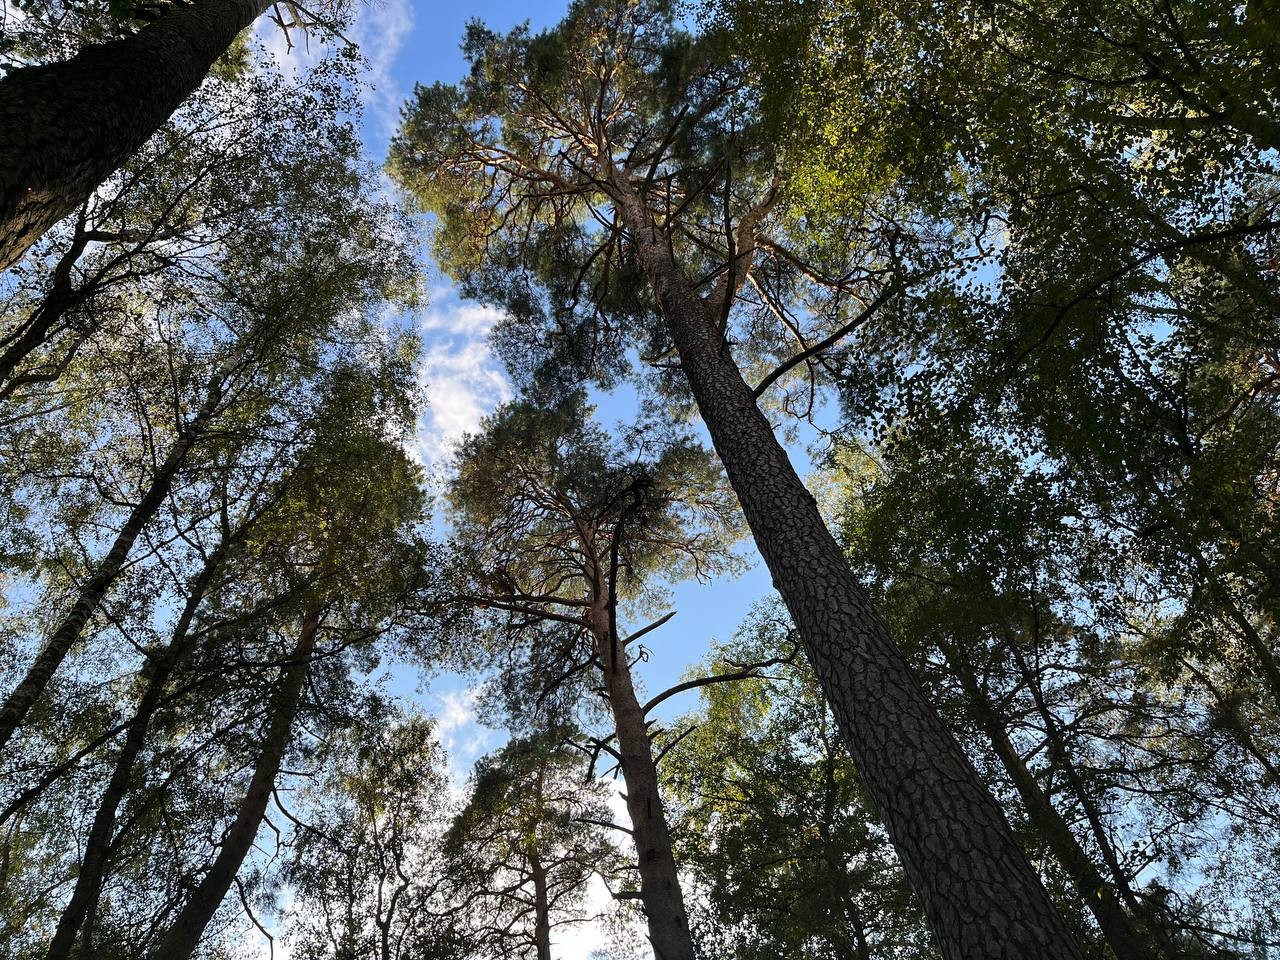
x: 957, y: 320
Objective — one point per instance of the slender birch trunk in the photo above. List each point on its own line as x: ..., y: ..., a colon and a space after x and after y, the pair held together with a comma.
x: 853, y: 944
x: 182, y: 938
x: 66, y: 127
x: 981, y: 895
x: 156, y: 673
x: 1120, y: 881
x: 18, y: 704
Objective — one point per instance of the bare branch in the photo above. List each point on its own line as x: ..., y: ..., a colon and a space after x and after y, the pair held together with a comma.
x: 746, y: 673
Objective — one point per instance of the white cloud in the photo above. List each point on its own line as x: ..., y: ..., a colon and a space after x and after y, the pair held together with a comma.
x: 461, y: 734
x: 457, y: 710
x: 380, y: 29
x: 463, y: 380
x: 468, y: 319
x: 462, y: 386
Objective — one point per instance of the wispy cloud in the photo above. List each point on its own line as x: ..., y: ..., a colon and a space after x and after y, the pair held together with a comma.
x: 460, y: 732
x: 462, y: 379
x: 457, y: 710
x: 467, y: 319
x: 380, y: 30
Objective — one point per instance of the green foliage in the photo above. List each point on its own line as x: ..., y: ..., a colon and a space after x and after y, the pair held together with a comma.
x: 533, y: 472
x: 219, y: 303
x: 529, y: 838
x: 365, y: 871
x: 788, y: 856
x: 1025, y: 612
x: 552, y: 514
x: 1027, y: 249
x: 522, y: 189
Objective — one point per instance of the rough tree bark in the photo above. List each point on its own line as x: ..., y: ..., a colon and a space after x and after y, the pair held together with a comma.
x: 981, y: 895
x: 97, y: 848
x: 180, y: 942
x: 65, y: 127
x: 660, y: 892
x: 91, y: 592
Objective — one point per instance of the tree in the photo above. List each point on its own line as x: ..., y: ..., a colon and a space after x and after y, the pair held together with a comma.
x: 612, y: 157
x: 155, y: 675
x: 317, y: 584
x: 281, y: 307
x: 252, y: 165
x: 1119, y: 775
x: 788, y: 855
x: 1121, y: 320
x: 563, y: 526
x: 1116, y: 340
x: 525, y: 846
x: 353, y: 546
x: 366, y: 864
x: 241, y: 601
x: 70, y: 124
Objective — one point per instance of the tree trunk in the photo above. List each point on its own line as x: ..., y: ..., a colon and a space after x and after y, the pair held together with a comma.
x: 851, y: 943
x: 98, y: 845
x: 66, y: 127
x: 1061, y: 759
x: 91, y: 592
x: 1118, y: 928
x: 659, y: 882
x: 541, y: 906
x: 981, y: 895
x: 180, y: 942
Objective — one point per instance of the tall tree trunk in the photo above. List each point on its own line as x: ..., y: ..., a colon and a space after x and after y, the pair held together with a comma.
x: 98, y: 845
x: 541, y: 906
x: 1061, y: 758
x: 660, y: 891
x: 65, y: 127
x: 1118, y: 928
x: 851, y: 943
x: 184, y: 935
x: 19, y: 702
x: 981, y: 895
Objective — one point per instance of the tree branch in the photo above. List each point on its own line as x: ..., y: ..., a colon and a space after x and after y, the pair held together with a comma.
x: 653, y: 626
x: 746, y: 673
x: 823, y: 344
